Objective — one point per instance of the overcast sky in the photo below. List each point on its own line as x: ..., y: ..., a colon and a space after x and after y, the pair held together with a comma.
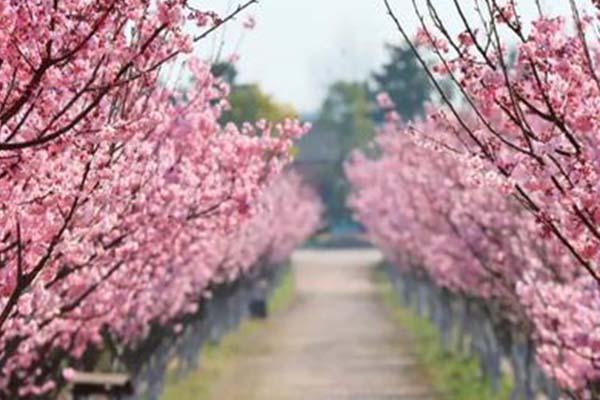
x: 300, y: 46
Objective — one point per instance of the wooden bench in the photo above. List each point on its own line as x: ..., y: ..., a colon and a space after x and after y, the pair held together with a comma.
x: 100, y: 386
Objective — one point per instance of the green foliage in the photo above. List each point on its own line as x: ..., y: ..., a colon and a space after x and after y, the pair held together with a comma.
x: 217, y: 359
x: 346, y: 112
x: 344, y: 123
x: 225, y: 71
x: 457, y: 376
x: 283, y: 296
x: 403, y: 78
x: 348, y: 117
x: 249, y: 103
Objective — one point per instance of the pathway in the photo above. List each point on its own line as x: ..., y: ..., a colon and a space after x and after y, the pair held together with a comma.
x: 336, y: 342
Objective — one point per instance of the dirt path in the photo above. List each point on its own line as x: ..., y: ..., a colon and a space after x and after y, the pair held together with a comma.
x: 335, y: 343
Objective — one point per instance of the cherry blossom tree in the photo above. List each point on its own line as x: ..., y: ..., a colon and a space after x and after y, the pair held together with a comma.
x: 123, y: 200
x: 524, y: 132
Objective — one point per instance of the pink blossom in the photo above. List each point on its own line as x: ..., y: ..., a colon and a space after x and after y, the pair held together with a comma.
x: 250, y: 23
x: 123, y: 200
x: 384, y: 101
x: 499, y: 199
x: 69, y: 374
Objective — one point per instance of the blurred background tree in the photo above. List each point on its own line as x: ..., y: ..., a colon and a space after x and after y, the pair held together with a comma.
x: 344, y: 123
x: 404, y: 80
x: 248, y: 101
x: 347, y: 120
x: 225, y: 71
x: 346, y: 112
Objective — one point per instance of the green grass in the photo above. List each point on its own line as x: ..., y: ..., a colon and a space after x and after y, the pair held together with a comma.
x: 456, y: 376
x: 284, y: 294
x: 216, y: 359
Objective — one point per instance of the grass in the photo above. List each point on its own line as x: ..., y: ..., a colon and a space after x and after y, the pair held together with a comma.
x: 455, y: 375
x: 216, y: 359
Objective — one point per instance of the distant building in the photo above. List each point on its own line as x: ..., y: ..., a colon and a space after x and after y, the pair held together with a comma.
x: 319, y: 154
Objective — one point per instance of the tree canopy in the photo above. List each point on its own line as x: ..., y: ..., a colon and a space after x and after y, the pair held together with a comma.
x: 404, y: 80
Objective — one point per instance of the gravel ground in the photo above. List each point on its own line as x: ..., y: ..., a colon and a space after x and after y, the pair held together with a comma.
x: 336, y: 342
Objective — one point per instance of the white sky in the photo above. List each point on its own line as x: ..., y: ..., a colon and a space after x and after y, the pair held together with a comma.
x: 300, y: 46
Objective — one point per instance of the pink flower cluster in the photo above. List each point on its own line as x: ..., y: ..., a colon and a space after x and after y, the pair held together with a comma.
x: 122, y: 200
x: 498, y: 198
x: 434, y: 210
